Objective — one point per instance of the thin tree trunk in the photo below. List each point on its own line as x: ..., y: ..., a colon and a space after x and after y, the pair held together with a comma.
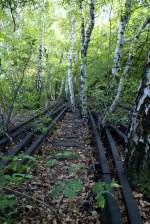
x: 53, y: 89
x: 70, y: 72
x: 126, y: 71
x: 139, y: 133
x: 62, y: 88
x: 1, y: 121
x: 85, y: 39
x: 16, y: 94
x: 40, y: 54
x: 46, y: 80
x: 120, y: 38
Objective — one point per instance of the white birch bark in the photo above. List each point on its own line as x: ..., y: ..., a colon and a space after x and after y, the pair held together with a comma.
x: 125, y: 72
x: 40, y: 54
x: 85, y: 39
x: 120, y: 37
x: 53, y: 89
x: 62, y: 88
x: 139, y: 132
x: 46, y: 80
x: 70, y: 72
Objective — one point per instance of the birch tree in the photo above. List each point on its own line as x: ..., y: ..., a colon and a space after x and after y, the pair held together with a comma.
x: 85, y: 40
x: 40, y: 54
x: 139, y: 132
x: 126, y: 69
x: 70, y: 71
x: 120, y: 37
x: 46, y: 79
x: 62, y: 88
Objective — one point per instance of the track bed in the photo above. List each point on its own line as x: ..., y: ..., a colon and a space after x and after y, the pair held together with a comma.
x: 35, y: 203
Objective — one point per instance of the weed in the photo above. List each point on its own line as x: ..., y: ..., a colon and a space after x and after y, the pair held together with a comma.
x: 40, y: 129
x: 47, y: 120
x: 101, y: 189
x: 75, y: 168
x: 52, y: 163
x: 69, y: 189
x: 66, y: 155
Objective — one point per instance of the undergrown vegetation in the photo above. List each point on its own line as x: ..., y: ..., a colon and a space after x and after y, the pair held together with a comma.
x: 12, y: 175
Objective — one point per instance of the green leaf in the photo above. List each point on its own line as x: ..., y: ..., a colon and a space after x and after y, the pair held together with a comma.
x: 57, y: 189
x: 75, y: 168
x: 66, y: 155
x: 101, y: 201
x: 98, y: 187
x: 115, y: 185
x: 73, y: 187
x: 70, y: 188
x: 52, y: 162
x: 25, y: 176
x: 7, y: 201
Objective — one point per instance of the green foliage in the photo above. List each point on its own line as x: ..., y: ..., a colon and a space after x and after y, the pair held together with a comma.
x: 141, y: 181
x: 101, y: 189
x: 69, y: 189
x: 14, y: 3
x: 52, y: 163
x: 75, y: 168
x: 66, y: 155
x: 7, y: 207
x: 40, y: 128
x: 12, y: 173
x: 47, y: 120
x: 17, y: 177
x: 13, y: 165
x: 7, y: 202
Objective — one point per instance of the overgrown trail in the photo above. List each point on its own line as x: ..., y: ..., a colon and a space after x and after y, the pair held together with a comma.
x: 70, y: 148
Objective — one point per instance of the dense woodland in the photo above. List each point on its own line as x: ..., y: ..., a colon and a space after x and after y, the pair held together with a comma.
x: 95, y: 54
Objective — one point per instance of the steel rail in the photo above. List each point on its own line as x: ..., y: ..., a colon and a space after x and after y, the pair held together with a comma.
x: 17, y: 149
x: 5, y: 140
x: 39, y: 140
x: 119, y: 133
x: 24, y: 142
x: 114, y: 212
x: 131, y: 205
x: 18, y: 131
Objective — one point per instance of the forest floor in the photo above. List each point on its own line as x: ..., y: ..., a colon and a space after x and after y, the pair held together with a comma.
x: 66, y: 159
x: 72, y: 135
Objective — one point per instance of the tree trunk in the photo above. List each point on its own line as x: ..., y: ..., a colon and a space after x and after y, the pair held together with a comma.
x: 46, y: 80
x: 85, y: 39
x: 16, y: 91
x: 53, y: 89
x: 70, y: 72
x: 2, y: 123
x: 39, y: 61
x: 120, y: 38
x: 62, y: 88
x: 139, y: 133
x: 126, y: 71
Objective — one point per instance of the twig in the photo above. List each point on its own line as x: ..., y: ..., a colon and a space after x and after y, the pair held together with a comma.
x: 9, y: 137
x: 30, y: 197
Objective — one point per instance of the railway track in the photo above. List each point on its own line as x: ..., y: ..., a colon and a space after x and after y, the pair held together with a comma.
x: 122, y: 208
x: 30, y: 144
x: 23, y: 128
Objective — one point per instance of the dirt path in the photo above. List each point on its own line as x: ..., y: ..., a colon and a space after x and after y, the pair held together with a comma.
x: 69, y: 149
